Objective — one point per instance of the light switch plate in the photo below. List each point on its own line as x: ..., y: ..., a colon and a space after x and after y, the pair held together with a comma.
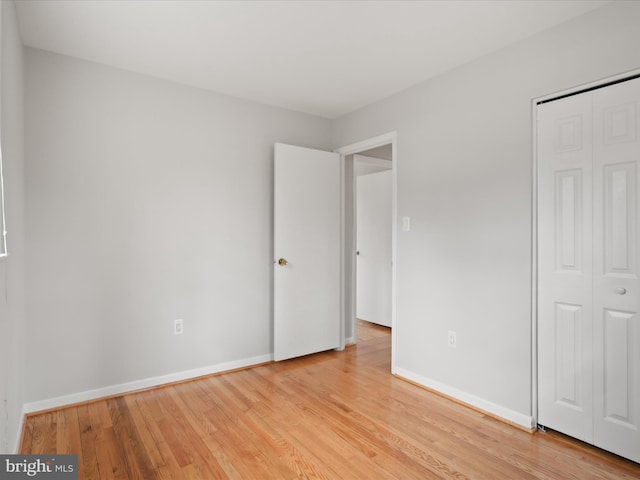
x: 451, y: 339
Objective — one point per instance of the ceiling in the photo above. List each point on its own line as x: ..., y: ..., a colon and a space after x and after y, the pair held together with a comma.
x: 326, y: 58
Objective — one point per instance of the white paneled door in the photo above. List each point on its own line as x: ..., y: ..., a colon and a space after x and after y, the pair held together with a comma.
x: 307, y: 236
x: 588, y: 253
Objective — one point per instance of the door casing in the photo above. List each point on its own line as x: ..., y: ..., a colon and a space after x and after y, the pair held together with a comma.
x: 349, y: 231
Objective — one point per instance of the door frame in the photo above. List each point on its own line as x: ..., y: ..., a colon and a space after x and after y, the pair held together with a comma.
x: 348, y: 255
x: 600, y: 83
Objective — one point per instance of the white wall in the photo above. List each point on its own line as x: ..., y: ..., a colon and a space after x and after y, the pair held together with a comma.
x: 464, y: 178
x: 147, y: 201
x: 12, y: 317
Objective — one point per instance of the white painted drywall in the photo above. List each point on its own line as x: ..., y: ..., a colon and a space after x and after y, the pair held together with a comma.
x: 147, y: 201
x: 465, y: 179
x: 12, y: 311
x: 373, y: 294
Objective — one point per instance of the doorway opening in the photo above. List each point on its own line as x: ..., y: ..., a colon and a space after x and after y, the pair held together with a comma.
x: 369, y: 248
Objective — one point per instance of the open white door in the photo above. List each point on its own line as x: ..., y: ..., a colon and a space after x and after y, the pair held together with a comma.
x: 307, y: 236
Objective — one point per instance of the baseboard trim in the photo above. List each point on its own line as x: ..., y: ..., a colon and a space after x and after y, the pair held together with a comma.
x: 110, y: 391
x: 20, y: 432
x: 492, y: 409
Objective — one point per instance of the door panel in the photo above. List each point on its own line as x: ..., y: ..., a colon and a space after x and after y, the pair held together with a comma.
x: 565, y: 267
x: 618, y: 356
x: 569, y: 357
x: 616, y: 153
x: 619, y: 219
x: 568, y: 218
x: 307, y: 229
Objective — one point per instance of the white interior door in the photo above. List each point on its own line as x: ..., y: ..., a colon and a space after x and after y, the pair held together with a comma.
x: 565, y: 319
x: 589, y: 292
x: 373, y: 219
x: 616, y: 288
x: 307, y: 236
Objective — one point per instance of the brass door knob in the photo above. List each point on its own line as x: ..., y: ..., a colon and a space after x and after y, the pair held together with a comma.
x: 282, y: 262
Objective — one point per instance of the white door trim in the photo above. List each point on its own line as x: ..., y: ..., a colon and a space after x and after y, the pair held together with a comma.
x: 534, y: 263
x: 534, y: 217
x: 349, y: 290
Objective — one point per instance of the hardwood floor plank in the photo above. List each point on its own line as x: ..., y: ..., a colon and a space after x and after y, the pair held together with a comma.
x: 27, y: 435
x: 87, y: 458
x: 108, y: 456
x: 137, y: 463
x: 146, y: 439
x: 333, y: 415
x: 268, y: 423
x: 68, y: 434
x: 153, y: 414
x: 109, y: 462
x: 62, y: 432
x: 201, y: 456
x: 323, y: 410
x: 441, y: 441
x: 236, y: 430
x: 44, y: 433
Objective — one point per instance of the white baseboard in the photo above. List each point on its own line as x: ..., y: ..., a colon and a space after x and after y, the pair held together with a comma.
x: 509, y: 415
x: 16, y: 445
x: 350, y: 341
x: 112, y: 390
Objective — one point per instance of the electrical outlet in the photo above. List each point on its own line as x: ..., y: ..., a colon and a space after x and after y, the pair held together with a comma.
x: 178, y: 327
x: 451, y: 339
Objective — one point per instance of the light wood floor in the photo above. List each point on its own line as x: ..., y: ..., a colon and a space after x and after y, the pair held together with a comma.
x: 335, y: 415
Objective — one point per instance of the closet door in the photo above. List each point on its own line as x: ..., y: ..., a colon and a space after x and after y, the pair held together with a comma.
x: 616, y: 299
x: 588, y: 291
x: 565, y: 316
